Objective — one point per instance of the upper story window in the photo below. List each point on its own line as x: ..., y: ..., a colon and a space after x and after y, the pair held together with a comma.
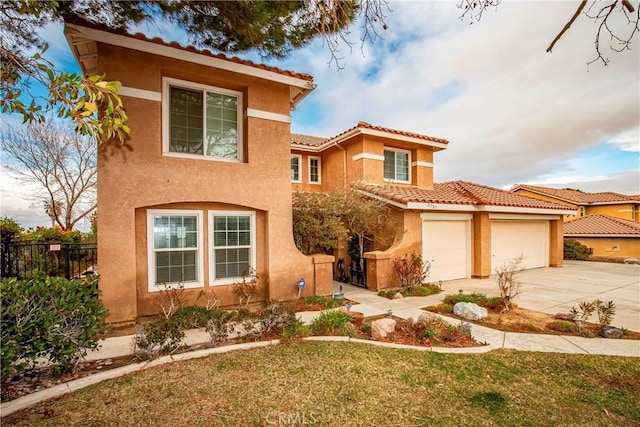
x: 396, y: 165
x: 201, y: 121
x: 296, y: 166
x: 581, y: 211
x: 314, y: 170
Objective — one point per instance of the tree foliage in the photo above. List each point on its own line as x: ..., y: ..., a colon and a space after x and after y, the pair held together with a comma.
x: 321, y: 219
x: 60, y: 162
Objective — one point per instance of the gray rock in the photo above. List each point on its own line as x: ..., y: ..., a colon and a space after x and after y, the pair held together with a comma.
x: 632, y: 261
x: 611, y: 332
x: 383, y: 329
x: 470, y: 311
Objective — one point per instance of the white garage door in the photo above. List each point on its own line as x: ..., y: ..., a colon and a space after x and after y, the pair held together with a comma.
x: 446, y: 245
x: 510, y: 239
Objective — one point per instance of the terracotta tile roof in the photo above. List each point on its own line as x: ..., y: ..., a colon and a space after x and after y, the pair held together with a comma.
x: 190, y: 48
x: 308, y: 140
x: 579, y: 197
x: 365, y: 125
x: 457, y: 193
x: 316, y: 141
x: 601, y: 225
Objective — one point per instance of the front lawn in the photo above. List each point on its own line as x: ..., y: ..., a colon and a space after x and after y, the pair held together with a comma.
x: 349, y: 384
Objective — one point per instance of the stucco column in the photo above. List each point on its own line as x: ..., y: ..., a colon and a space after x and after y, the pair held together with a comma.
x: 323, y: 275
x: 481, y: 245
x: 379, y: 270
x: 556, y: 243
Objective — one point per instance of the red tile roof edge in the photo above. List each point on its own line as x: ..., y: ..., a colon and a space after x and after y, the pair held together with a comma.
x: 458, y: 193
x: 578, y: 197
x: 601, y: 222
x: 190, y: 48
x: 365, y: 125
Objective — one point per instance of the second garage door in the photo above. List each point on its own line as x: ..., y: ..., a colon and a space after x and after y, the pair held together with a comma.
x: 510, y: 239
x: 446, y: 245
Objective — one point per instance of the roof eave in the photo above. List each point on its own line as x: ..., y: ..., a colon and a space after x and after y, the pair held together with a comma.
x: 299, y: 88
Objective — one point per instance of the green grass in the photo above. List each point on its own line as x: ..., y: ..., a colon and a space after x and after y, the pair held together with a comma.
x: 349, y: 384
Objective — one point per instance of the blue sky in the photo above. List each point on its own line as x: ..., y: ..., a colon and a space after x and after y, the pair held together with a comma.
x: 512, y: 112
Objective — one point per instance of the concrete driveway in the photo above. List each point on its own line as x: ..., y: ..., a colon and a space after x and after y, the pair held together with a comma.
x: 556, y: 290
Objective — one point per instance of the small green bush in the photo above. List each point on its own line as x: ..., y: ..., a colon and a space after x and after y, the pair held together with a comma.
x: 422, y: 291
x: 324, y: 302
x: 476, y: 298
x: 329, y: 322
x: 441, y: 308
x: 575, y: 250
x: 562, y: 326
x: 49, y: 317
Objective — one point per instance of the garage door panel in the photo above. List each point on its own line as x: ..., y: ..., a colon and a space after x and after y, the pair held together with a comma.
x: 445, y: 244
x: 510, y: 240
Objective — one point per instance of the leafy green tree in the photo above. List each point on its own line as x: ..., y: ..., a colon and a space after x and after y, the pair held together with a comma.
x: 10, y: 229
x: 93, y: 104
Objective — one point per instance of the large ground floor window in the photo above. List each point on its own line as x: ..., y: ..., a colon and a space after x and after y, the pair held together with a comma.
x: 177, y: 243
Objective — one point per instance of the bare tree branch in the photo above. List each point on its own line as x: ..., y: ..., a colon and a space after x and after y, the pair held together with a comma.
x: 568, y: 25
x: 62, y: 164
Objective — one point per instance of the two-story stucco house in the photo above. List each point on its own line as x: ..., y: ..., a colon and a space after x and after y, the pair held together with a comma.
x: 202, y: 191
x: 463, y: 229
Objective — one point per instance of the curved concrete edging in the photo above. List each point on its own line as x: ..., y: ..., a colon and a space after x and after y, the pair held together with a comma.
x: 32, y: 399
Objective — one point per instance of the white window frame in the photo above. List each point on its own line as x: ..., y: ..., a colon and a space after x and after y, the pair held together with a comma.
x: 151, y: 263
x: 319, y: 169
x: 395, y: 180
x: 168, y: 82
x: 299, y: 157
x: 212, y: 248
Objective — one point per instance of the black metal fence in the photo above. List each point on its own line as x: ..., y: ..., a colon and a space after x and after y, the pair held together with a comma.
x: 70, y: 260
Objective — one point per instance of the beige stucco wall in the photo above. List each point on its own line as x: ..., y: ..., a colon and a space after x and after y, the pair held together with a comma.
x: 136, y: 176
x: 613, y: 247
x: 624, y: 211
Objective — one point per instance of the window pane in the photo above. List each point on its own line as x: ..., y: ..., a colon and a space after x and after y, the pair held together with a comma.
x: 295, y: 169
x: 389, y: 165
x: 222, y: 126
x: 402, y: 166
x: 185, y: 120
x: 176, y: 267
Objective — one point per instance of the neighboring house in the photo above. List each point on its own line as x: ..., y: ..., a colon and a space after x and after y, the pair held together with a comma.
x: 463, y: 229
x: 605, y: 203
x: 202, y: 191
x: 607, y: 237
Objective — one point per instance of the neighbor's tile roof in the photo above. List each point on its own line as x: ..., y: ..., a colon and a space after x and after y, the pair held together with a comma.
x: 308, y: 140
x: 365, y: 125
x: 457, y: 193
x: 190, y: 48
x: 601, y: 225
x: 316, y: 141
x: 577, y: 196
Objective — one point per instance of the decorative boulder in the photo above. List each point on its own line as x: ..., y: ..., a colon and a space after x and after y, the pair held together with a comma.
x: 424, y: 318
x: 383, y: 329
x: 470, y: 311
x: 397, y: 295
x: 632, y: 261
x: 611, y: 332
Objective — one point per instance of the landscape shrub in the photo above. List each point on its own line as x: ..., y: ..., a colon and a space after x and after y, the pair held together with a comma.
x: 476, y: 298
x: 329, y: 322
x: 160, y: 335
x: 411, y: 270
x: 562, y: 326
x: 508, y: 283
x: 574, y: 250
x: 219, y: 326
x: 422, y: 291
x: 49, y: 317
